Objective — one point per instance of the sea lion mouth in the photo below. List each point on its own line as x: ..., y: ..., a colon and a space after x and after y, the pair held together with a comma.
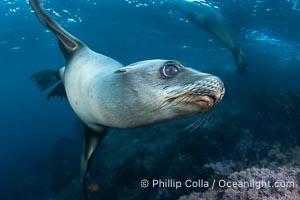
x: 208, y: 99
x: 202, y: 95
x: 201, y: 100
x: 204, y: 101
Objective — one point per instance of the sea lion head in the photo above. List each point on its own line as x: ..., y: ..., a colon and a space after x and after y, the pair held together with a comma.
x: 156, y: 91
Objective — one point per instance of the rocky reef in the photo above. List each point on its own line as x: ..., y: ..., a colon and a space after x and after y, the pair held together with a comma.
x: 242, y: 139
x: 263, y: 183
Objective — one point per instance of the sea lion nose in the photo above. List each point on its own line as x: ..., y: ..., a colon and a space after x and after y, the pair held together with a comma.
x: 218, y: 96
x: 217, y: 89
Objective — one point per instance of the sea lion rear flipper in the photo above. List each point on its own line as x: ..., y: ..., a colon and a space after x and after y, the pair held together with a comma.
x: 67, y: 42
x: 90, y: 143
x: 241, y: 62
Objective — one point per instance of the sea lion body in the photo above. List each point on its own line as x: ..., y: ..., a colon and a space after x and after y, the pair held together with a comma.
x: 213, y: 22
x: 84, y: 72
x: 104, y: 93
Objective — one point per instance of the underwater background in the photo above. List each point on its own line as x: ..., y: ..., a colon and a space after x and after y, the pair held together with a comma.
x: 254, y: 132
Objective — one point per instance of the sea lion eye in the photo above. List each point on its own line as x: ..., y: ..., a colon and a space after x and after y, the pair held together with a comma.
x: 169, y: 70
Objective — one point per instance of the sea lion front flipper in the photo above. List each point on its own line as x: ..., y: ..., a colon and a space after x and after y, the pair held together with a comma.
x: 58, y: 92
x: 67, y: 42
x: 90, y: 143
x: 47, y: 78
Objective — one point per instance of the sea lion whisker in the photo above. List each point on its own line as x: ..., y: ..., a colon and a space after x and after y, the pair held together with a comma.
x: 162, y: 106
x: 195, y: 125
x: 201, y: 121
x: 171, y: 101
x: 165, y: 104
x: 180, y: 99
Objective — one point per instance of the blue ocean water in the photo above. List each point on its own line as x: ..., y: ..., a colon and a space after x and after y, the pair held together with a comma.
x: 40, y: 141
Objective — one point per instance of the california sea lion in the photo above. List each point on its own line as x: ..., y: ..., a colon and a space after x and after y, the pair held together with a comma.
x: 213, y: 22
x: 104, y: 93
